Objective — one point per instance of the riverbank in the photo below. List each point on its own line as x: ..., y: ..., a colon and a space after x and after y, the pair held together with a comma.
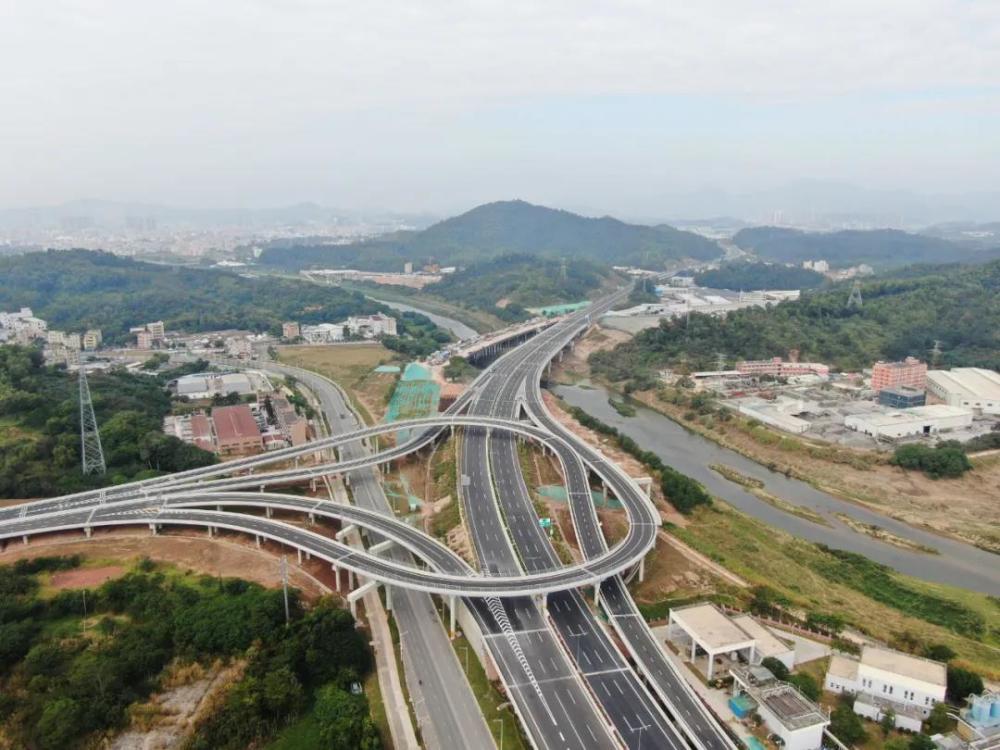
x: 810, y: 578
x: 967, y: 509
x: 478, y: 320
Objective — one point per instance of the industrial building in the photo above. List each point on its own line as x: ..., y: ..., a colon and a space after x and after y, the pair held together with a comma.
x: 209, y: 384
x: 782, y: 412
x: 969, y: 387
x: 979, y: 722
x: 777, y: 368
x: 910, y: 372
x: 884, y: 681
x: 920, y: 420
x: 236, y: 430
x: 290, y: 330
x: 785, y: 710
x: 902, y: 397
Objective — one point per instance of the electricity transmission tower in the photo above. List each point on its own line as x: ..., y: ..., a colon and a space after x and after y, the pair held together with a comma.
x: 855, y: 299
x: 90, y: 438
x: 936, y: 352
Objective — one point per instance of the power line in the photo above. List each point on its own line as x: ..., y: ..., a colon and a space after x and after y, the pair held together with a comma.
x: 90, y: 438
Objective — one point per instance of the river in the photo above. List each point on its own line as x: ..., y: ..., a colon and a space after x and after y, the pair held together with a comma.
x: 957, y: 563
x: 456, y: 327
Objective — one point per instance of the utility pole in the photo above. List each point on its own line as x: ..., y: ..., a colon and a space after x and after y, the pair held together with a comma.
x: 284, y: 587
x: 90, y: 439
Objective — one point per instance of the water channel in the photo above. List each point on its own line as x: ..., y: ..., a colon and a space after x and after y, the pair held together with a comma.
x: 456, y: 327
x: 957, y: 563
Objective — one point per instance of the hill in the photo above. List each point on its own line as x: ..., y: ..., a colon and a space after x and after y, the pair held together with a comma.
x: 755, y: 276
x: 520, y: 281
x: 957, y: 305
x: 880, y: 248
x: 502, y: 228
x: 79, y: 289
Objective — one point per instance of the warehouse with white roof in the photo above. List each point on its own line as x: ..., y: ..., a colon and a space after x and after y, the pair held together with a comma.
x: 967, y: 387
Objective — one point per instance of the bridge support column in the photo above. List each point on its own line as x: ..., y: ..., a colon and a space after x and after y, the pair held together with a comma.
x: 24, y: 539
x: 597, y: 594
x: 218, y: 508
x: 256, y: 539
x: 388, y: 598
x: 336, y: 576
x: 261, y: 488
x: 87, y: 530
x: 209, y: 530
x: 267, y: 511
x: 312, y: 519
x: 452, y: 613
x: 152, y: 528
x: 642, y: 569
x: 312, y: 484
x: 298, y: 550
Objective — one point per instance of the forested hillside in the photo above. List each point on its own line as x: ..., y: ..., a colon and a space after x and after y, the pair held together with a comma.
x: 755, y: 276
x: 502, y: 228
x: 879, y: 248
x: 520, y: 281
x: 40, y: 428
x: 957, y: 305
x: 80, y: 289
x: 75, y: 671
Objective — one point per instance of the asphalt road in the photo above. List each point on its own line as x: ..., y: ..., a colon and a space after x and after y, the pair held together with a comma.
x: 449, y: 710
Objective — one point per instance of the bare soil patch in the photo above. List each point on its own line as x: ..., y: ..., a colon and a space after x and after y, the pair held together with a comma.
x: 84, y: 578
x: 227, y: 557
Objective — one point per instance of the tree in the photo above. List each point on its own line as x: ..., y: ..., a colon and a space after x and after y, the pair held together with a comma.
x: 776, y: 667
x: 922, y: 742
x: 962, y: 683
x: 887, y: 722
x: 58, y: 724
x: 939, y: 721
x: 343, y: 720
x: 846, y: 725
x: 939, y: 652
x: 806, y: 684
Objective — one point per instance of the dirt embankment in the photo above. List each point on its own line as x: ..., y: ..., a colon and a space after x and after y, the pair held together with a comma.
x: 229, y: 557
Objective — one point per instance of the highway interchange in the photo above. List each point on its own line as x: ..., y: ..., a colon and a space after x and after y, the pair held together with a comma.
x: 567, y: 680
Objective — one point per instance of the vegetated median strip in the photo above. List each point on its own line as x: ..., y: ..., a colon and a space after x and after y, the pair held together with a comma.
x: 756, y: 488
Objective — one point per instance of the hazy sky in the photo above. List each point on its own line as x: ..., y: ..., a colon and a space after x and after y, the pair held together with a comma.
x: 433, y: 105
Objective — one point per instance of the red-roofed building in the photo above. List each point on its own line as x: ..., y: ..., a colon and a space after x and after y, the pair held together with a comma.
x: 236, y: 430
x: 201, y: 432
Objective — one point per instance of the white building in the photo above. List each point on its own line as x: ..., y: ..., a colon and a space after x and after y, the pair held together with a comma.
x: 324, y: 333
x: 786, y: 711
x: 22, y: 326
x: 706, y: 631
x: 883, y: 680
x: 892, y: 424
x: 372, y: 326
x: 208, y: 384
x: 968, y: 387
x: 241, y: 348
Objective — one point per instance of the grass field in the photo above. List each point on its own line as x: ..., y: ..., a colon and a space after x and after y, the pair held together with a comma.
x: 352, y: 367
x: 810, y: 580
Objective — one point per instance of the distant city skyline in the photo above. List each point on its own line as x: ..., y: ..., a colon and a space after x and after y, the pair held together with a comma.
x: 597, y: 107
